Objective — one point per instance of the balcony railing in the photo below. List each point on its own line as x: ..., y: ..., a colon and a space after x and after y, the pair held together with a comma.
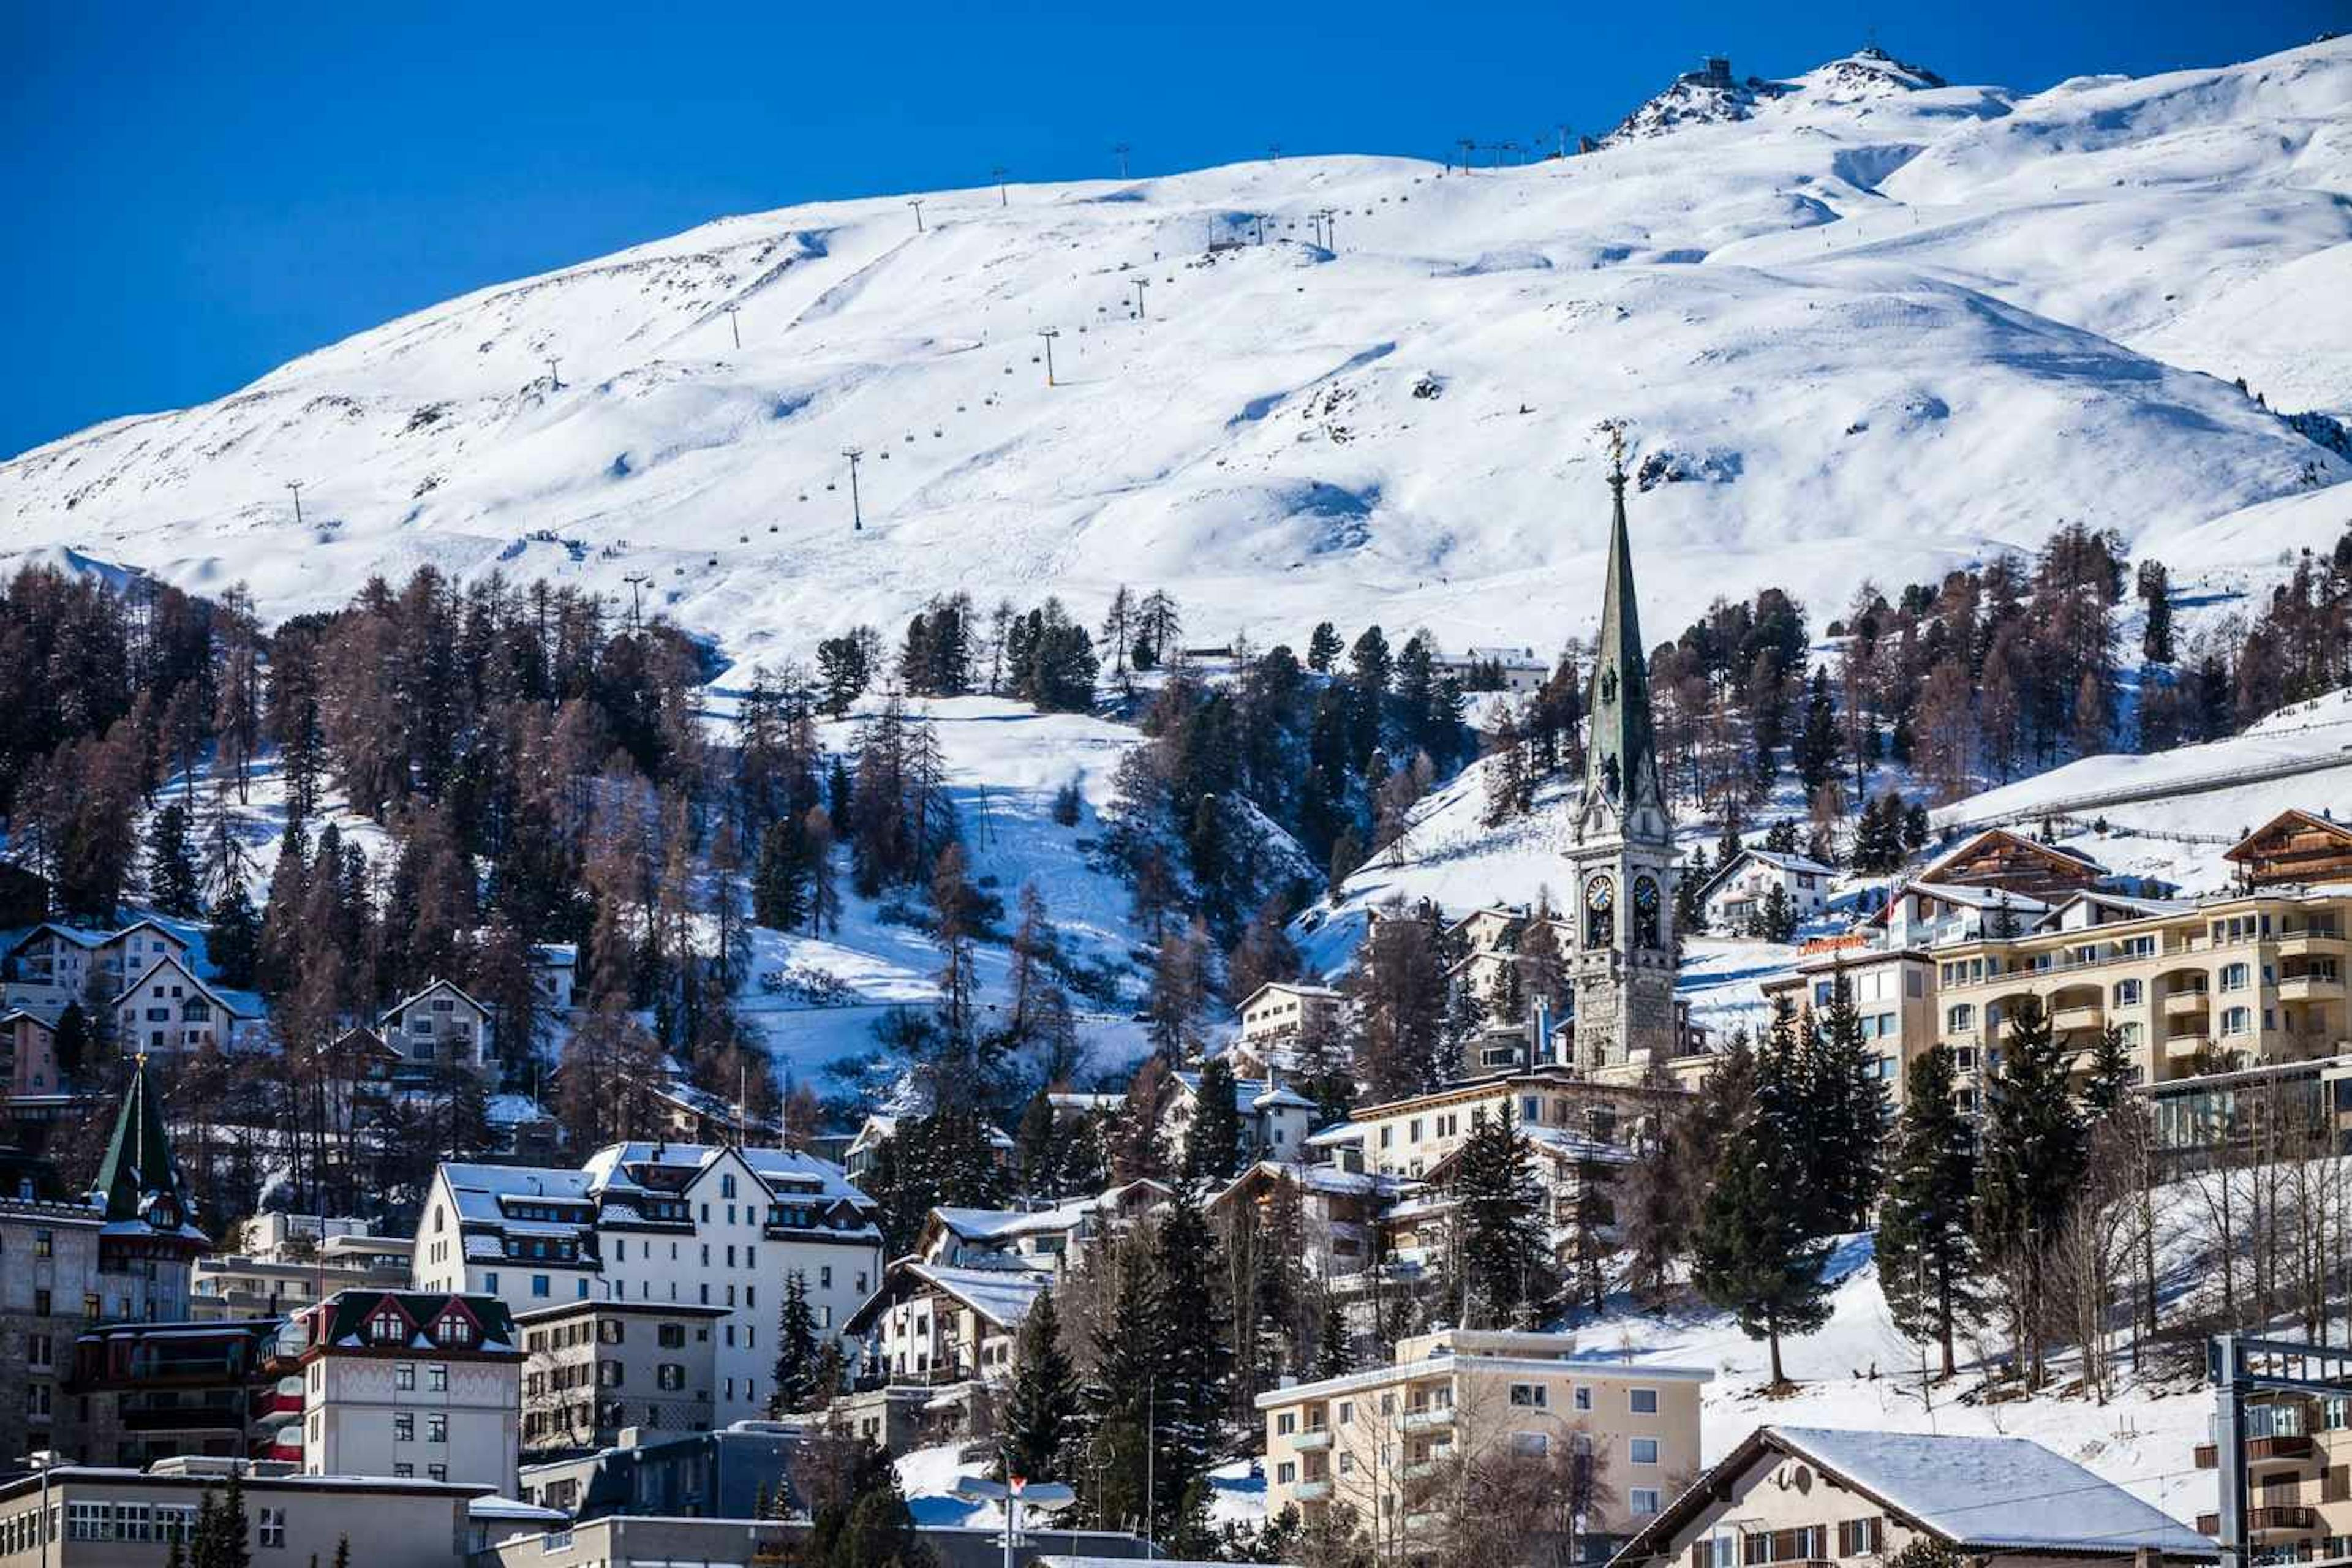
x: 1314, y: 1439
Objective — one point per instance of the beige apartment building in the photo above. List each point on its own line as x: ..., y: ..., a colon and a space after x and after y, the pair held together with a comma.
x: 1382, y: 1442
x: 1408, y: 1138
x: 2299, y: 1475
x: 2222, y: 1001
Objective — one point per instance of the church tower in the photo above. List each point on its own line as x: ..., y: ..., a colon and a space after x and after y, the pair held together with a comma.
x: 1622, y: 851
x: 151, y: 1232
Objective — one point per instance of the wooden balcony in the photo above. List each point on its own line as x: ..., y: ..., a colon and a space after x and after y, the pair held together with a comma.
x: 2282, y: 1516
x: 2209, y: 1458
x: 2291, y: 1447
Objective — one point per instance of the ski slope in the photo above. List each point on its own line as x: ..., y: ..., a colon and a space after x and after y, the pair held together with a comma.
x: 1873, y: 327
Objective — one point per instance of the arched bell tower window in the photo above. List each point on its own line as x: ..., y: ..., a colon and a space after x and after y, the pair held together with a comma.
x: 1646, y: 913
x: 1599, y: 913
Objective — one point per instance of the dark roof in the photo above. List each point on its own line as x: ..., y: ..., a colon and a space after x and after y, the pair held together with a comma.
x: 342, y: 1318
x: 139, y: 1168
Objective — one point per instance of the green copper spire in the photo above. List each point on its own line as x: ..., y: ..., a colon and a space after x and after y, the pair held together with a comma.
x: 1622, y: 789
x: 139, y: 1168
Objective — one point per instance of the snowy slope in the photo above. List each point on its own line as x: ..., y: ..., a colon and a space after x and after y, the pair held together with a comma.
x: 1878, y: 325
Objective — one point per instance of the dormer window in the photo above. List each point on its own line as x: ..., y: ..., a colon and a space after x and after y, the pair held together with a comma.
x: 388, y: 1327
x: 454, y: 1328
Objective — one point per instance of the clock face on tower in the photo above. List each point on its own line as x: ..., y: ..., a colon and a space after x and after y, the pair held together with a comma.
x: 1600, y: 924
x: 1645, y: 911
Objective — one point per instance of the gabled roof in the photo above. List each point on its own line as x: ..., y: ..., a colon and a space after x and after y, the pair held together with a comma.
x: 1295, y: 987
x: 2293, y: 818
x: 1978, y: 1494
x: 237, y: 1003
x: 415, y: 996
x: 90, y: 937
x: 1771, y: 857
x: 2072, y: 861
x: 344, y: 1317
x: 1003, y: 1295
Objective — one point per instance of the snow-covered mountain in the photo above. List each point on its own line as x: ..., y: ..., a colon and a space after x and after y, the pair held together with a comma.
x: 1871, y: 326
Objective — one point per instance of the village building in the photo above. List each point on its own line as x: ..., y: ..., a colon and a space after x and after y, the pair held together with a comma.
x: 109, y: 1517
x: 880, y: 1127
x: 1513, y: 670
x: 1340, y: 1211
x: 2298, y: 1458
x: 1381, y: 1442
x: 29, y: 1052
x: 144, y: 1393
x: 1273, y: 1118
x: 167, y: 1011
x: 69, y: 1263
x: 593, y: 1369
x: 937, y: 1324
x: 1408, y: 1138
x: 438, y: 1027
x: 740, y: 1471
x: 1741, y: 890
x: 1049, y: 1239
x: 1276, y: 1018
x: 667, y: 1223
x: 421, y: 1384
x: 283, y: 1263
x: 54, y: 965
x: 1789, y: 1494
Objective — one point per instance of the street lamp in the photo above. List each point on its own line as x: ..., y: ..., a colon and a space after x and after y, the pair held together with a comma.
x: 42, y: 1461
x: 1013, y: 1491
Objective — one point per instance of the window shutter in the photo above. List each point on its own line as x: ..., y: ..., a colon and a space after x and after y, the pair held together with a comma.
x: 2336, y: 1485
x: 1700, y: 1557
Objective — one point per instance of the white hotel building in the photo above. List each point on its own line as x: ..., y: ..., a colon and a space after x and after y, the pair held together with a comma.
x: 671, y: 1223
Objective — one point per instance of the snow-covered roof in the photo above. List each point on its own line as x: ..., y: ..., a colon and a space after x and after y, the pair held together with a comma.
x: 1969, y: 896
x: 414, y: 997
x: 1336, y: 1136
x: 785, y: 1171
x: 237, y: 1003
x: 2001, y: 1492
x: 1251, y: 1093
x: 476, y: 1189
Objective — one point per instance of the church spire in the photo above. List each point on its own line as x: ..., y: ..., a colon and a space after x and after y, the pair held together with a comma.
x: 1621, y: 790
x: 138, y: 1180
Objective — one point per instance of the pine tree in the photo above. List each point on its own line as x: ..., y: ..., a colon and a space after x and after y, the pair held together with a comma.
x: 1041, y: 1411
x: 172, y: 873
x: 1323, y: 648
x: 1502, y: 1263
x: 1817, y: 742
x: 1752, y: 1254
x: 1213, y: 1144
x: 2030, y: 1161
x: 1335, y: 1350
x: 2107, y: 1091
x: 1844, y: 1104
x: 793, y: 1382
x: 1926, y: 1253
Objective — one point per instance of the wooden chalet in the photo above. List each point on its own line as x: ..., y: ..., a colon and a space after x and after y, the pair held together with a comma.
x: 1998, y: 858
x: 2294, y: 847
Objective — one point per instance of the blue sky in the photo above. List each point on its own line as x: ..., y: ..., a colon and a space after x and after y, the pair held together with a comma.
x: 198, y: 193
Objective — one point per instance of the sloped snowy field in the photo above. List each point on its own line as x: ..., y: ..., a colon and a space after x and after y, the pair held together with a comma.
x: 1872, y: 330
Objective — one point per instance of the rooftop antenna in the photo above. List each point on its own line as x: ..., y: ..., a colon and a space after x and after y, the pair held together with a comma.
x: 733, y: 325
x: 1141, y: 285
x: 917, y: 203
x: 997, y: 173
x: 1049, y: 334
x: 1122, y: 149
x: 296, y: 486
x: 636, y: 581
x: 856, y: 509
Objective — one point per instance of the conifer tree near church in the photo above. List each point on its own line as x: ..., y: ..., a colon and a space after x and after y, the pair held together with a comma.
x: 1927, y: 1254
x: 1502, y: 1261
x: 2031, y: 1157
x: 1843, y: 1104
x: 1753, y: 1255
x: 1213, y: 1145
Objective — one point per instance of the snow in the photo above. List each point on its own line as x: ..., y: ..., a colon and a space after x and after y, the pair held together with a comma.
x: 1882, y: 325
x: 1994, y: 1492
